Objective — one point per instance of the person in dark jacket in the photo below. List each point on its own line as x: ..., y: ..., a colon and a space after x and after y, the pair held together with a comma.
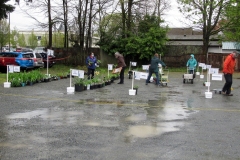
x: 120, y: 63
x: 153, y: 68
x: 91, y: 62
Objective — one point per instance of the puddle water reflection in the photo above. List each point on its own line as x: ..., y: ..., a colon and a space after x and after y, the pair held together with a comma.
x: 141, y: 119
x: 160, y: 117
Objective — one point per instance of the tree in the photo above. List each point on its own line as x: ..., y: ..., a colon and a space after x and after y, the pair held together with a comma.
x: 32, y: 40
x: 22, y: 41
x: 43, y: 8
x: 232, y: 14
x: 205, y: 14
x: 4, y: 33
x: 14, y: 37
x: 147, y: 39
x: 44, y: 40
x: 5, y: 9
x: 58, y: 40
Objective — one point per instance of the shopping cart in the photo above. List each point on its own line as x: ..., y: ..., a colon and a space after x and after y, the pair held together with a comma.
x: 188, y: 77
x: 163, y: 73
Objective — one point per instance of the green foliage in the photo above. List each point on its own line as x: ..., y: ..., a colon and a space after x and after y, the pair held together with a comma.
x: 147, y: 39
x: 21, y: 41
x: 14, y: 37
x: 232, y: 30
x: 4, y: 33
x: 79, y: 81
x: 32, y: 40
x: 5, y: 9
x: 58, y: 40
x: 44, y: 40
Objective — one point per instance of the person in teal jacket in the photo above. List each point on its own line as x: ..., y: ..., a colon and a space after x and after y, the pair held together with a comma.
x: 153, y: 68
x: 191, y: 64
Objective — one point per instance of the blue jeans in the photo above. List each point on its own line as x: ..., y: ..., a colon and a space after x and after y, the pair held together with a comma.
x: 150, y: 75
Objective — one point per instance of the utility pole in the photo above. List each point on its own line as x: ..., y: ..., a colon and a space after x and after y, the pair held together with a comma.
x: 9, y: 34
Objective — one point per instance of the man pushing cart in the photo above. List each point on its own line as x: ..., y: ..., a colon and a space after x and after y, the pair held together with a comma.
x: 191, y: 66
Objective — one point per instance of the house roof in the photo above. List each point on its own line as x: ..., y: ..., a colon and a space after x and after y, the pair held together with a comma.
x: 231, y: 45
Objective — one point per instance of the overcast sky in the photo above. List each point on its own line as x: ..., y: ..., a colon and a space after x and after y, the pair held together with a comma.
x: 23, y: 22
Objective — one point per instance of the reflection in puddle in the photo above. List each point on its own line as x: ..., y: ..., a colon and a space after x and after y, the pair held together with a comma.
x: 160, y: 117
x: 27, y: 115
x: 55, y: 117
x: 141, y: 120
x: 136, y: 117
x: 102, y: 123
x: 12, y: 145
x: 143, y: 131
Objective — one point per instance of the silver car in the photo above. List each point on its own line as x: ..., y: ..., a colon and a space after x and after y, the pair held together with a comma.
x: 37, y: 59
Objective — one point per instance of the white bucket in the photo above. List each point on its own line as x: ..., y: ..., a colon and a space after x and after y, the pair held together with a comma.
x: 7, y: 84
x: 207, y: 84
x: 208, y: 94
x: 70, y: 89
x: 88, y: 87
x: 201, y: 76
x: 132, y: 92
x: 197, y: 73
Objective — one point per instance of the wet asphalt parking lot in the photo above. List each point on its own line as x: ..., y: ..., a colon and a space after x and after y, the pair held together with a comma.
x: 173, y: 122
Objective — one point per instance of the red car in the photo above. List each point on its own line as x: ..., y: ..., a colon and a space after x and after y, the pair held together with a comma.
x: 7, y: 58
x: 51, y: 60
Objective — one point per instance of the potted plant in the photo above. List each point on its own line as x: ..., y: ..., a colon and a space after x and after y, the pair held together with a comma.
x: 79, y: 84
x: 135, y: 87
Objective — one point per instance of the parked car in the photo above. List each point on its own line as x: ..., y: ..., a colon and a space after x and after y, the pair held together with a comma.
x: 24, y: 50
x: 37, y: 59
x: 7, y: 58
x: 39, y: 50
x: 25, y: 60
x: 51, y: 60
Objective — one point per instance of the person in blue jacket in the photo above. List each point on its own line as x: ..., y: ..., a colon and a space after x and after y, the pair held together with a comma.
x: 153, y: 68
x: 91, y: 63
x: 191, y: 64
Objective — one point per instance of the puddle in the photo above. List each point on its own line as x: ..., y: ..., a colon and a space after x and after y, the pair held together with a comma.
x: 146, y: 120
x: 55, y: 116
x: 13, y: 145
x: 144, y: 131
x: 160, y: 117
x: 27, y: 115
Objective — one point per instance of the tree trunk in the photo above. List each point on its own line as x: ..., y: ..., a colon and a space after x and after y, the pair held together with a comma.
x: 89, y: 36
x: 65, y: 21
x: 50, y: 25
x: 123, y: 19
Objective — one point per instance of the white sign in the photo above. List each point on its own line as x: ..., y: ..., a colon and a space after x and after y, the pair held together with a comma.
x: 50, y: 52
x: 137, y: 75
x: 110, y: 67
x: 145, y: 67
x: 143, y: 75
x: 204, y: 66
x: 201, y: 64
x: 213, y: 70
x: 208, y: 66
x: 134, y: 63
x: 81, y: 74
x: 74, y: 72
x: 10, y: 69
x: 16, y: 68
x: 217, y: 77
